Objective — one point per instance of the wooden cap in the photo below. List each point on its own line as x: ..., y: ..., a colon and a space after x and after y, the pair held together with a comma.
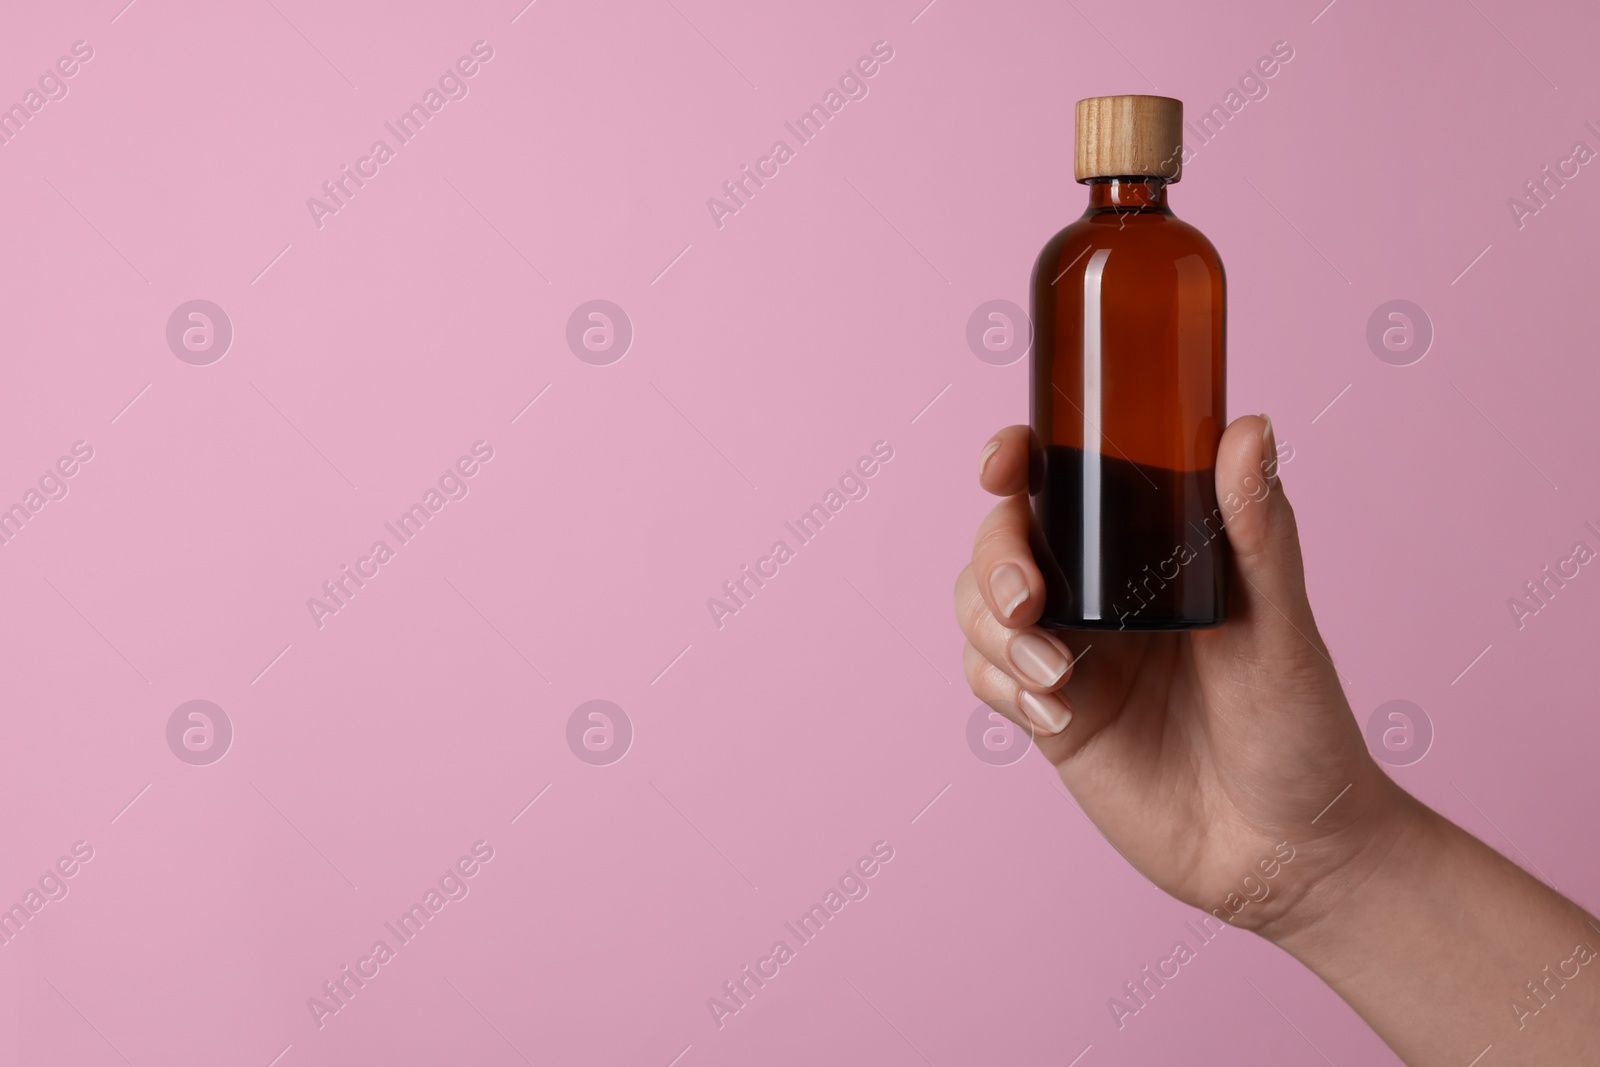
x: 1129, y: 136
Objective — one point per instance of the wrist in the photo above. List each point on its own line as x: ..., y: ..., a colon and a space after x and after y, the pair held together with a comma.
x: 1371, y: 857
x: 1438, y: 942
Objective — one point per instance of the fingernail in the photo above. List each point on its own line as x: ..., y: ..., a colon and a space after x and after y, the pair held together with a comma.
x: 1039, y: 659
x: 1008, y: 587
x: 1269, y: 452
x: 988, y: 453
x: 1047, y: 711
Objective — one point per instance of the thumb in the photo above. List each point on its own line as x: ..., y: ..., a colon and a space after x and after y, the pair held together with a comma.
x: 1267, y: 596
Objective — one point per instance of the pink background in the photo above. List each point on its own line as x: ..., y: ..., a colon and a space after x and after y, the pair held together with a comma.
x: 825, y: 716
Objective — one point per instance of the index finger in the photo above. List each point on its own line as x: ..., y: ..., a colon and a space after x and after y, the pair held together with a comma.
x: 1003, y: 463
x: 1002, y: 561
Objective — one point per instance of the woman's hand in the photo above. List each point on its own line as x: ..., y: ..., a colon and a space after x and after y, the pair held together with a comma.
x: 1206, y: 756
x: 1198, y: 754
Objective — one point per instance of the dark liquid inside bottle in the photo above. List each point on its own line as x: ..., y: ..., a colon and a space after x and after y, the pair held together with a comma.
x: 1127, y: 410
x: 1162, y: 582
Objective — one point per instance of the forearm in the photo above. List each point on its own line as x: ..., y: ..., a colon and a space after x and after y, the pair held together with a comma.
x: 1446, y: 948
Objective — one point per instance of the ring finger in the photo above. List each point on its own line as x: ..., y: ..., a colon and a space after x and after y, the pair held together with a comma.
x: 1044, y: 714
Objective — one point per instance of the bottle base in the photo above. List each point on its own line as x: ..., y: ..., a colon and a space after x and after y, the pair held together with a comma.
x: 1132, y: 625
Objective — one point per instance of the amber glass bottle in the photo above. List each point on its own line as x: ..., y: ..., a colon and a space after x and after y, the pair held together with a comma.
x: 1127, y: 389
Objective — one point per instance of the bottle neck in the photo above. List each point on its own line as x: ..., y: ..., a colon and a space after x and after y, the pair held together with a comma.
x: 1128, y: 194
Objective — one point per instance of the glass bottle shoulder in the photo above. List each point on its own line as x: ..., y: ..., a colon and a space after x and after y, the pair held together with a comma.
x: 1152, y: 237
